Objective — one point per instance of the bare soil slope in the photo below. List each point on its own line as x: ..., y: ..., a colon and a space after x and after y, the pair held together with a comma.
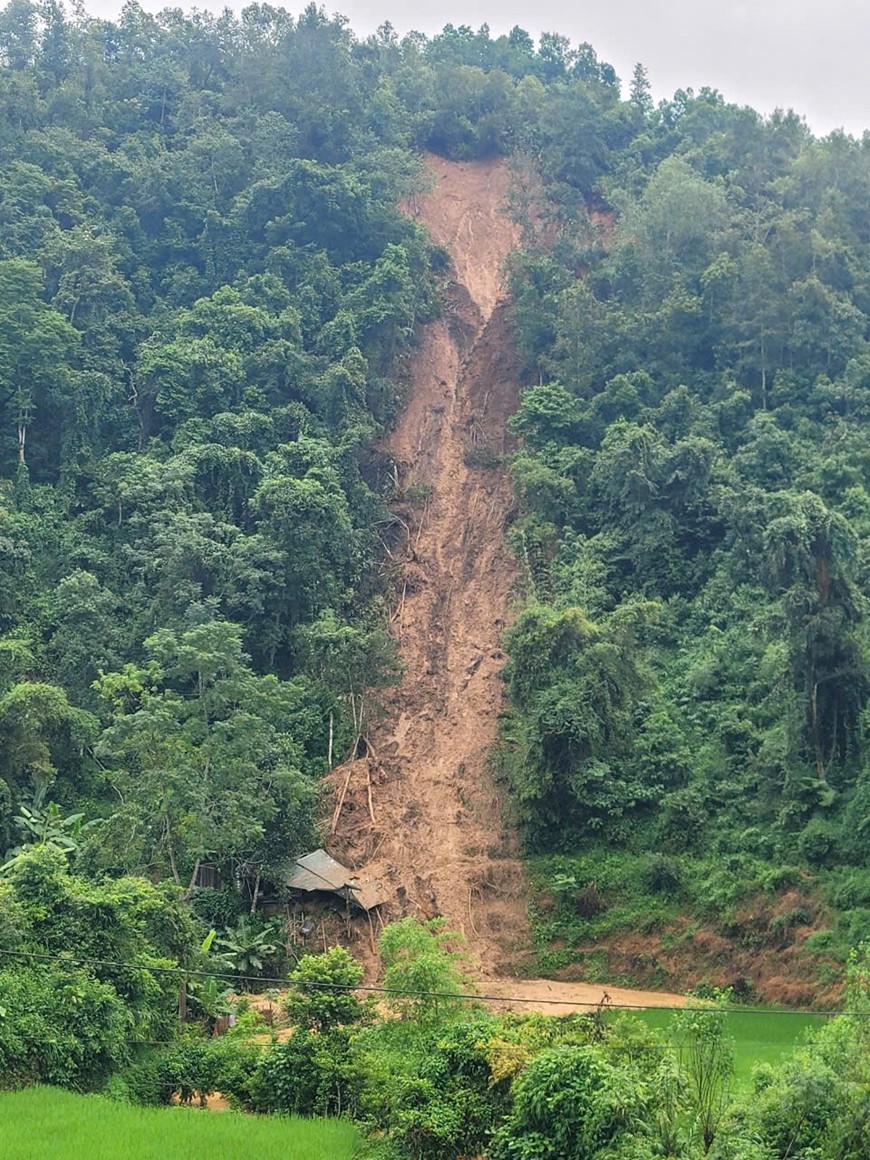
x: 422, y: 812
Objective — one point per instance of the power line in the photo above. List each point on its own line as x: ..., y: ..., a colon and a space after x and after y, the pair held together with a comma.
x: 605, y: 1002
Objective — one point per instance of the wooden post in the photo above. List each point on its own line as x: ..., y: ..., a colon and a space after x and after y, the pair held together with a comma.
x: 341, y: 798
x: 369, y: 790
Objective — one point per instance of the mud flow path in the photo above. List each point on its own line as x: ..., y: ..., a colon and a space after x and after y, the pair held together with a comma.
x: 421, y: 811
x: 423, y: 815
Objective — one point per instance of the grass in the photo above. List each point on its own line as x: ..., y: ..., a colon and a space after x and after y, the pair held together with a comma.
x: 760, y: 1036
x: 42, y: 1122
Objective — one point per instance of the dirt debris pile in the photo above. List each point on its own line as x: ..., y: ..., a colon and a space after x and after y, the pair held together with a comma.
x: 421, y: 810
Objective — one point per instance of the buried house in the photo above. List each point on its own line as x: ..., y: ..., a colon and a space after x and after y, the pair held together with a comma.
x: 317, y: 874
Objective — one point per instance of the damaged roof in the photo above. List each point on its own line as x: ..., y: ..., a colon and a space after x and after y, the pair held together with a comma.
x: 319, y: 871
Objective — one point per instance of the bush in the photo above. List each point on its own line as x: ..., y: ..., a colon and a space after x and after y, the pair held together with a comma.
x: 420, y: 959
x: 821, y: 941
x: 853, y: 843
x: 430, y: 1124
x: 796, y: 916
x: 216, y: 908
x: 143, y: 1082
x: 793, y: 1114
x: 817, y: 842
x: 321, y: 995
x: 190, y: 1068
x: 663, y: 875
x: 311, y: 1074
x: 851, y: 890
x: 432, y: 1090
x: 856, y: 924
x: 61, y: 1028
x: 568, y: 1104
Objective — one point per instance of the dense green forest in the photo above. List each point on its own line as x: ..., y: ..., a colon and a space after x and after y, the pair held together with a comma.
x: 690, y: 678
x: 206, y: 295
x: 208, y: 302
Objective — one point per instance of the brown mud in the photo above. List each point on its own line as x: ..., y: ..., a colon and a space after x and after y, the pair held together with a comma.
x: 422, y: 811
x: 553, y: 997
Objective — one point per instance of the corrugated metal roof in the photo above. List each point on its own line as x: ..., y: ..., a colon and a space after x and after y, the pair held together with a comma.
x: 369, y: 893
x: 319, y: 871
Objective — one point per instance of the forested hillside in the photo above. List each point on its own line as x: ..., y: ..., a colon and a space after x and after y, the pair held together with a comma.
x: 690, y: 679
x: 206, y: 292
x: 257, y: 364
x: 206, y: 295
x: 208, y: 303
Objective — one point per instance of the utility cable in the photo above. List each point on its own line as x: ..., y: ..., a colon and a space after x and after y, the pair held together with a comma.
x: 232, y: 976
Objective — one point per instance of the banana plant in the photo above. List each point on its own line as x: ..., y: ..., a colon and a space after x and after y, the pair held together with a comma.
x: 46, y: 825
x: 246, y: 947
x: 208, y: 994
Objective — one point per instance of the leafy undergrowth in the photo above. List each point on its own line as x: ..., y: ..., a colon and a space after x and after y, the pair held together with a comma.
x: 777, y: 936
x: 43, y: 1121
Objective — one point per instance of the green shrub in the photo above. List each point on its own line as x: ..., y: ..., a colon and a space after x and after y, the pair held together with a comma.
x: 321, y: 991
x: 430, y: 1125
x: 568, y: 1104
x: 60, y: 1027
x: 143, y: 1082
x: 796, y: 916
x: 216, y: 908
x: 773, y: 878
x: 793, y: 1114
x: 856, y: 925
x: 821, y: 941
x: 850, y: 890
x: 438, y: 1098
x: 663, y: 875
x: 423, y: 964
x: 817, y: 842
x: 310, y: 1074
x: 194, y: 1067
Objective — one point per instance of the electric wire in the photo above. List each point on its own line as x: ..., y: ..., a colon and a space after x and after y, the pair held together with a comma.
x: 64, y: 959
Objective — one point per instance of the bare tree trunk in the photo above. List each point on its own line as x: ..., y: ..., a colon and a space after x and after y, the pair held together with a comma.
x: 188, y: 894
x: 168, y: 831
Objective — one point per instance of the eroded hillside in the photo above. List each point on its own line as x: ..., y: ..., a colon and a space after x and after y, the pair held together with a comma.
x: 422, y: 811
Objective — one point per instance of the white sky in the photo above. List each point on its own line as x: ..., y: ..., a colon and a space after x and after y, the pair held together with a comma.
x: 805, y: 54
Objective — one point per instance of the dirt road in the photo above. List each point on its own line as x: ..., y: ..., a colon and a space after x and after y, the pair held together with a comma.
x: 554, y: 998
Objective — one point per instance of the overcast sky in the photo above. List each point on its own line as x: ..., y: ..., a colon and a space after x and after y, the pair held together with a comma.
x: 810, y: 55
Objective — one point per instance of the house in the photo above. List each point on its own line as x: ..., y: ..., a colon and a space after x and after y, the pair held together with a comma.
x: 318, y: 873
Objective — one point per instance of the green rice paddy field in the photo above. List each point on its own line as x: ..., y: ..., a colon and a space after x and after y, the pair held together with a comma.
x: 760, y: 1036
x: 44, y: 1123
